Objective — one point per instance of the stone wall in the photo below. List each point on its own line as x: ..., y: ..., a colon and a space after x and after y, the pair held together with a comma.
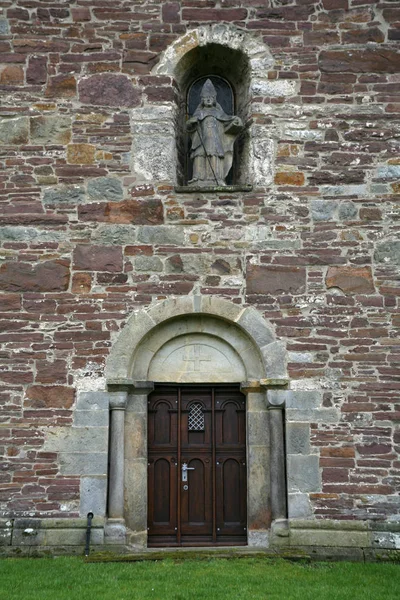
x: 93, y: 229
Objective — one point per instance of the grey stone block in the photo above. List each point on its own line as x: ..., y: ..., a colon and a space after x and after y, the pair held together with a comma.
x: 16, y: 233
x: 5, y: 535
x: 385, y: 539
x: 298, y: 438
x: 292, y: 399
x: 64, y: 195
x: 93, y: 401
x: 148, y: 263
x: 258, y: 538
x: 388, y: 252
x: 258, y: 427
x: 14, y: 131
x: 299, y: 506
x: 252, y: 322
x: 76, y: 439
x: 4, y: 26
x: 388, y: 172
x: 303, y: 400
x: 30, y: 536
x: 136, y: 505
x: 315, y: 537
x: 320, y: 415
x: 115, y: 234
x: 105, y: 188
x: 343, y: 190
x: 348, y: 211
x: 91, y: 418
x: 274, y: 355
x: 259, y: 487
x: 53, y: 129
x: 93, y: 496
x: 72, y: 537
x: 303, y: 473
x: 85, y: 463
x: 160, y: 235
x: 323, y: 210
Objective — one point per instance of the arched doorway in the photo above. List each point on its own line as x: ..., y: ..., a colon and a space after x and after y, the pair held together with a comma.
x: 204, y: 346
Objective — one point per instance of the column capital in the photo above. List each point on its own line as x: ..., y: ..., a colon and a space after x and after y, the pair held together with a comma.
x: 118, y: 400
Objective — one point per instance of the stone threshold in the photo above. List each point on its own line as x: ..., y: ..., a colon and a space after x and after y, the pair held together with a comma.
x: 197, y: 553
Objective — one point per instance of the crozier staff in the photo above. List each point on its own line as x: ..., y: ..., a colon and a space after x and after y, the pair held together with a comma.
x: 213, y: 134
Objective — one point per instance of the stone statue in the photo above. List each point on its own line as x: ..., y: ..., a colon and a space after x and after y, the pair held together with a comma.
x: 213, y: 134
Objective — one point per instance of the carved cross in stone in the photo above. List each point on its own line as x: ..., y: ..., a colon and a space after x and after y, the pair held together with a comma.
x: 195, y: 355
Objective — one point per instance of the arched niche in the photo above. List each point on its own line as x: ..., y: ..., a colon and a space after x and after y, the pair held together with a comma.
x: 232, y: 65
x: 158, y: 129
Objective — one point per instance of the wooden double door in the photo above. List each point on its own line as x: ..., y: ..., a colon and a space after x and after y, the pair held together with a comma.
x: 197, y: 466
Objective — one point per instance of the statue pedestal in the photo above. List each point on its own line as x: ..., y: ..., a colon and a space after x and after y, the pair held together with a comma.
x: 214, y: 189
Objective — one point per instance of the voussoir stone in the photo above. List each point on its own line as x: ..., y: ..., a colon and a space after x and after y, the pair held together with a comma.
x: 351, y: 280
x: 108, y: 89
x: 49, y: 276
x: 272, y: 280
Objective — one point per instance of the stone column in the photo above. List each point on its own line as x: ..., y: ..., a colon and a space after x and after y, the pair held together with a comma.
x: 115, y: 530
x: 277, y: 467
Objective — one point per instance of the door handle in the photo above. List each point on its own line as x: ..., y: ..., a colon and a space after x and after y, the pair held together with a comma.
x: 185, y: 469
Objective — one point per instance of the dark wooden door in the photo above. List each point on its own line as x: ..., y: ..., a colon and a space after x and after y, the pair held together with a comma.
x: 197, y: 466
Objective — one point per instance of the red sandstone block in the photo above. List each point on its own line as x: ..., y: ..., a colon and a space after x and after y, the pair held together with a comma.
x: 81, y: 14
x: 36, y: 72
x: 38, y: 45
x: 46, y: 276
x: 271, y: 279
x: 10, y: 302
x: 170, y: 12
x: 334, y: 475
x: 138, y: 212
x: 61, y: 86
x: 12, y: 57
x: 378, y: 60
x: 21, y: 14
x: 214, y: 14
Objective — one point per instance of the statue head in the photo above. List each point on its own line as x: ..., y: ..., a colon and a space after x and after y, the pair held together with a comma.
x: 208, y: 94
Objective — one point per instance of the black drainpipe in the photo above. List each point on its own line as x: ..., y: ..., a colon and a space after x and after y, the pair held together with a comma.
x: 88, y: 531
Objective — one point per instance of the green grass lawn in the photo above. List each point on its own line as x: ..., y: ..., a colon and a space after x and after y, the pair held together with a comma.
x: 70, y: 578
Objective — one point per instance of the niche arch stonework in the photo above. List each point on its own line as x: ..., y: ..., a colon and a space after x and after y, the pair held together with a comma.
x: 195, y: 340
x: 219, y: 49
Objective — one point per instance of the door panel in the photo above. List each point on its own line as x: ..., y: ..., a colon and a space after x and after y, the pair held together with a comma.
x: 201, y: 428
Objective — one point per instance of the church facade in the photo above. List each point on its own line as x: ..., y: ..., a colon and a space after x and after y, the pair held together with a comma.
x: 199, y: 276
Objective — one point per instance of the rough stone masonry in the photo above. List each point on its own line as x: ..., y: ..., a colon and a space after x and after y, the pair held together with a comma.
x: 94, y: 228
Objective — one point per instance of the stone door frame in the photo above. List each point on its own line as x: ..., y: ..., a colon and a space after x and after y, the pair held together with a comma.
x: 264, y: 360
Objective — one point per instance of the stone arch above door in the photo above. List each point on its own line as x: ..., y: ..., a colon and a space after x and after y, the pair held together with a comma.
x: 143, y: 356
x: 240, y: 335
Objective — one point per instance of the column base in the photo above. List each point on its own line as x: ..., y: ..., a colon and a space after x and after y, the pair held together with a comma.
x: 115, y: 531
